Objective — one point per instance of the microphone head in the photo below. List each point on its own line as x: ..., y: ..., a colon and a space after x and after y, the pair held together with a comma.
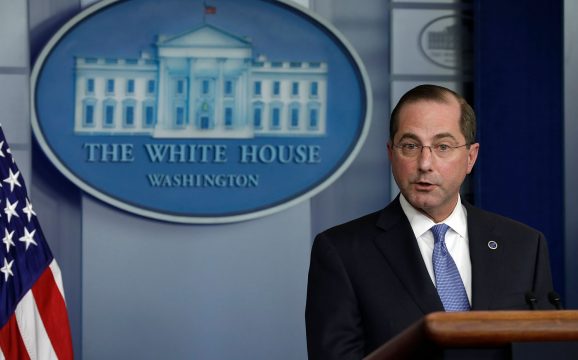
x: 530, y: 297
x: 531, y: 300
x: 553, y: 296
x: 554, y: 299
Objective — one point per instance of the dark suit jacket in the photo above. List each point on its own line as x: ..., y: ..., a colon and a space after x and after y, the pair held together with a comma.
x: 368, y: 280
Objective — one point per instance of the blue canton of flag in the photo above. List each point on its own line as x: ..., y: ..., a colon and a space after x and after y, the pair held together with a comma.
x: 33, y: 318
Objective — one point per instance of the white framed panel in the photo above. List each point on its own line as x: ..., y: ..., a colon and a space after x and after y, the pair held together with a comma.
x: 429, y: 42
x: 14, y: 105
x: 13, y: 33
x: 427, y: 1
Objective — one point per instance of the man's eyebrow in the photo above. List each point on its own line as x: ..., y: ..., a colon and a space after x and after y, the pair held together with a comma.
x: 445, y: 135
x: 412, y: 136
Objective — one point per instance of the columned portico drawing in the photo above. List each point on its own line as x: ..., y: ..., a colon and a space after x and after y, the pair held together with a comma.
x: 205, y: 83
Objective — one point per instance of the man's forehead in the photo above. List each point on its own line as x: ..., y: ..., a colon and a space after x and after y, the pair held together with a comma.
x: 431, y: 119
x: 430, y: 110
x: 447, y: 101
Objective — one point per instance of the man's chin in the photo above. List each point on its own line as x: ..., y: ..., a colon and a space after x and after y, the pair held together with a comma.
x: 422, y: 202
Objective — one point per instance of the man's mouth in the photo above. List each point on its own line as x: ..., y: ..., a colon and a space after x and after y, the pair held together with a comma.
x: 423, y: 186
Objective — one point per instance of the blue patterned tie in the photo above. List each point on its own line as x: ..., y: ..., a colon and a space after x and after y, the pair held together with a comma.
x: 448, y: 281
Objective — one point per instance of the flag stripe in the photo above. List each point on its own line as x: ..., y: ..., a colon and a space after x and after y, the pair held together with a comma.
x: 11, y: 342
x: 32, y: 330
x: 58, y: 277
x: 52, y: 310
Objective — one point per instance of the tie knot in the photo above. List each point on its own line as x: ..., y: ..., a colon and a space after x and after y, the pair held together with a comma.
x: 439, y: 232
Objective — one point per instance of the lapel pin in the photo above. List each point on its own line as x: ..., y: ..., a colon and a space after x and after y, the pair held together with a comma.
x: 492, y: 245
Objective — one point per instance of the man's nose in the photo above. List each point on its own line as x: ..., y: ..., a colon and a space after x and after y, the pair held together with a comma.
x: 425, y: 158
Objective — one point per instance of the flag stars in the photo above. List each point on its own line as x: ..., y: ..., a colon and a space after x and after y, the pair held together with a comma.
x: 12, y: 179
x: 1, y: 147
x: 7, y: 240
x: 7, y: 269
x: 8, y: 151
x: 28, y: 238
x: 28, y: 210
x: 10, y: 209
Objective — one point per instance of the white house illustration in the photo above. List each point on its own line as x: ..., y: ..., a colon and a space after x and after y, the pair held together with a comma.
x: 205, y: 83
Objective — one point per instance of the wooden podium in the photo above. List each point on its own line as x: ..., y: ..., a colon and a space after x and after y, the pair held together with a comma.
x: 479, y: 329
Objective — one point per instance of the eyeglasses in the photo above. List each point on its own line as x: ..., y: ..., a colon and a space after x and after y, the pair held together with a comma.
x: 412, y: 150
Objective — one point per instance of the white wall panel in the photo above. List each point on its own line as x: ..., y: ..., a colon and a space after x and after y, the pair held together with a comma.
x: 13, y: 33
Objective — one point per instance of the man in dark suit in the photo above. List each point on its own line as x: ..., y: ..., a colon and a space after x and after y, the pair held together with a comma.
x: 372, y: 277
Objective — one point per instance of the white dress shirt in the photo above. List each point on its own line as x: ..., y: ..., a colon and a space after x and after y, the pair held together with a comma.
x: 456, y: 239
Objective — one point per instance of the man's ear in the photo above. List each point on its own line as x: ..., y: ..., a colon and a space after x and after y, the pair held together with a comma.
x: 389, y: 150
x: 472, y: 156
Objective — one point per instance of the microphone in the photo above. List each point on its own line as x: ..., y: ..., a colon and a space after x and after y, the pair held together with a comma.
x: 554, y: 299
x: 531, y: 300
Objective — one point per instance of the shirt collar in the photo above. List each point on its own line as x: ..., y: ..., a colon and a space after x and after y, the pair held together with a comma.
x: 420, y: 223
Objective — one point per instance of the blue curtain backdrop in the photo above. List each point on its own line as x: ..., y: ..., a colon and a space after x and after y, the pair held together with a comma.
x: 518, y: 98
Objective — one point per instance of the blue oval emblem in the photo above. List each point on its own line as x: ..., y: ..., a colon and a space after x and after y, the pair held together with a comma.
x: 200, y: 112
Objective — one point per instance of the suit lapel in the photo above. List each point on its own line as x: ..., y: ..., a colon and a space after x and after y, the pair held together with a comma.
x: 399, y: 246
x: 487, y: 268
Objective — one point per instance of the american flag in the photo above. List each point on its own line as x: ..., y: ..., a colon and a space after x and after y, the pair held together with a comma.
x: 33, y: 317
x: 210, y: 9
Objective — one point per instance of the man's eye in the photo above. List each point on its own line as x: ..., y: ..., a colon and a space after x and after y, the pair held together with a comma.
x: 409, y: 146
x: 443, y: 147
